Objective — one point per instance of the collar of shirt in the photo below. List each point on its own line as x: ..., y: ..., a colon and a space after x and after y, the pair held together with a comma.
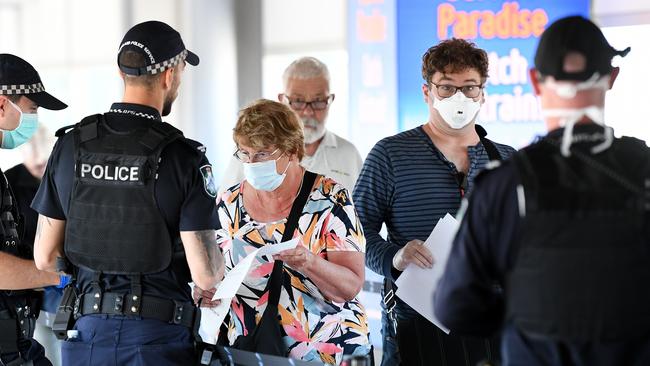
x: 137, y: 110
x: 329, y: 140
x: 473, y: 151
x: 589, y: 133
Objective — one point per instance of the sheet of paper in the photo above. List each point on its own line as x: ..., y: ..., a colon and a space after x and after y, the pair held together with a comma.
x: 269, y: 250
x: 230, y: 284
x: 211, y: 319
x: 416, y: 285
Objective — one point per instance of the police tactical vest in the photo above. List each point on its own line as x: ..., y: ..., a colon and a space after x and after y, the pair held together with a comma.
x: 114, y: 225
x: 18, y: 308
x: 9, y: 217
x: 11, y: 223
x: 583, y: 262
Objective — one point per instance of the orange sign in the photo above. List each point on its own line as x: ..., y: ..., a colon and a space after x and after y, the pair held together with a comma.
x: 509, y: 22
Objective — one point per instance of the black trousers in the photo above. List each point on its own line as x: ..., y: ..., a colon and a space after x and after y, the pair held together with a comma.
x: 422, y: 343
x: 30, y: 350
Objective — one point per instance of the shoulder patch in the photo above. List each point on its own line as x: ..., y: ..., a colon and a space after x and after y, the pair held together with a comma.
x: 208, y: 181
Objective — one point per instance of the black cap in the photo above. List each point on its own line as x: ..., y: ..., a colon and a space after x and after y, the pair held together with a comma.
x: 161, y: 46
x: 18, y: 77
x: 576, y: 34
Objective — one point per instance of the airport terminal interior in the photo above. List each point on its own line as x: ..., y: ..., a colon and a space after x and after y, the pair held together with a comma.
x: 373, y: 49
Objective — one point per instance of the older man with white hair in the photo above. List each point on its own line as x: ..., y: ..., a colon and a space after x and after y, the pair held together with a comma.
x: 307, y: 91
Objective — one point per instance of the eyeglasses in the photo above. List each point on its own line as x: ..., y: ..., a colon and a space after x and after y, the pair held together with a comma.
x: 316, y: 105
x: 245, y: 157
x: 446, y: 90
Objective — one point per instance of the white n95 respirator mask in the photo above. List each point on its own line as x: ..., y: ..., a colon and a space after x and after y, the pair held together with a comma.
x: 458, y: 110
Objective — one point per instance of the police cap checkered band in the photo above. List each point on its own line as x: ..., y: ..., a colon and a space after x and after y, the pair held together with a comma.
x: 21, y: 89
x: 18, y: 77
x: 160, y: 46
x: 162, y: 66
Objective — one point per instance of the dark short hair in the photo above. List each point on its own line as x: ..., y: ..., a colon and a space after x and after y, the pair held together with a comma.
x: 136, y: 60
x: 452, y: 56
x: 14, y: 98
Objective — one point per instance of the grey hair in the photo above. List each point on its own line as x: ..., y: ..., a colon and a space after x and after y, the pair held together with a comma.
x: 305, y: 68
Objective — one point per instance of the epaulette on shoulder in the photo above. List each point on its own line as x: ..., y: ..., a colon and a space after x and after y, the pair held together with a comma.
x: 194, y: 146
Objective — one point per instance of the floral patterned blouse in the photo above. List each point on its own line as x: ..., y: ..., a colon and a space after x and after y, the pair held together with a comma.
x: 316, y: 329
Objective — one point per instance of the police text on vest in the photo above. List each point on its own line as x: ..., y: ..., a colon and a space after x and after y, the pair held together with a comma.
x: 106, y: 172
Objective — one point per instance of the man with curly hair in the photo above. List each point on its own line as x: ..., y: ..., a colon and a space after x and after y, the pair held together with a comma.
x: 411, y: 180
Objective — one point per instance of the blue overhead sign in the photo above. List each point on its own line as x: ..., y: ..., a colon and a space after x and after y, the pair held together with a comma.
x: 507, y: 30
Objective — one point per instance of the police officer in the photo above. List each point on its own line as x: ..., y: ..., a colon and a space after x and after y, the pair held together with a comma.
x: 130, y: 203
x: 24, y: 180
x: 21, y: 93
x: 554, y: 247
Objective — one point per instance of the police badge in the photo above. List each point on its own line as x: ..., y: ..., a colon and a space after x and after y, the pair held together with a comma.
x: 208, y: 181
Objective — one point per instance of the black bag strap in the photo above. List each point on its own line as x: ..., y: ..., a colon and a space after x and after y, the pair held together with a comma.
x: 489, y: 146
x: 275, y: 281
x: 308, y: 181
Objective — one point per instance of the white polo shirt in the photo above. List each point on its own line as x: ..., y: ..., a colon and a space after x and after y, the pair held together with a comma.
x: 335, y: 157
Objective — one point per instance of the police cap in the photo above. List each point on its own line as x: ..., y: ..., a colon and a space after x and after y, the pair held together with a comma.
x: 574, y: 34
x: 161, y: 46
x: 18, y: 77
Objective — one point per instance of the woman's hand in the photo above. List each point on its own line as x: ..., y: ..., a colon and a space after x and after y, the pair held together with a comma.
x: 298, y: 258
x: 205, y: 296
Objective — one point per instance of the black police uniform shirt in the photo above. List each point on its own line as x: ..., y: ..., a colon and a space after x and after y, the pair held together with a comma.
x: 185, y: 199
x: 469, y: 297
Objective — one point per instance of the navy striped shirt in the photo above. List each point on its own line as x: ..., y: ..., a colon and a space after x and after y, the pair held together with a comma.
x: 408, y: 184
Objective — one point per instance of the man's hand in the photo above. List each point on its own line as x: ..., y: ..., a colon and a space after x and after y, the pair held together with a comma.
x: 413, y: 252
x: 298, y: 258
x: 205, y: 296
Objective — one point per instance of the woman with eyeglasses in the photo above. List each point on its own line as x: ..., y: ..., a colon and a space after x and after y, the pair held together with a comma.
x: 318, y: 312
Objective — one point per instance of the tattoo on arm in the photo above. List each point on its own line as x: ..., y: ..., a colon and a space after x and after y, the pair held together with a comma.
x: 39, y: 226
x: 209, y: 241
x: 39, y: 229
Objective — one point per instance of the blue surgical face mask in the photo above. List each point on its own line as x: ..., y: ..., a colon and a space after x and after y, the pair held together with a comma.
x: 264, y: 175
x: 26, y: 128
